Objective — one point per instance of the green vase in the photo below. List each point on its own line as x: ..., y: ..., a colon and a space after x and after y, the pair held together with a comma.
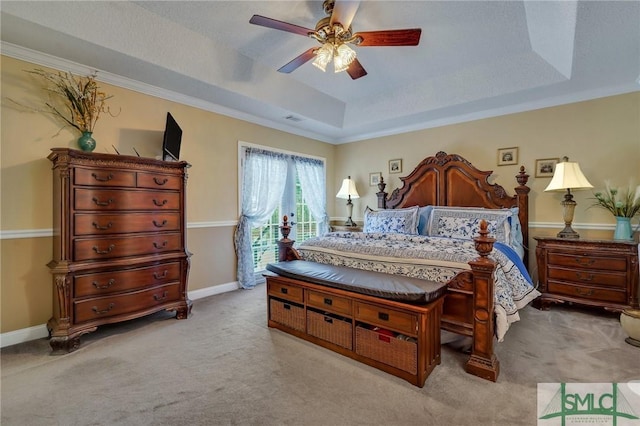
x: 86, y: 142
x: 623, y: 228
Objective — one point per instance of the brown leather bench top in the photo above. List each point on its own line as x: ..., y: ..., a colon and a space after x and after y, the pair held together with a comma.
x: 379, y: 284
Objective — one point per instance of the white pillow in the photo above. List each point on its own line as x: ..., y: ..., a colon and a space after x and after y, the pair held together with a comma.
x: 397, y: 221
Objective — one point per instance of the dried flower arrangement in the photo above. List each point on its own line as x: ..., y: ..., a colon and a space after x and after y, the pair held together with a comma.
x: 80, y: 96
x: 621, y: 202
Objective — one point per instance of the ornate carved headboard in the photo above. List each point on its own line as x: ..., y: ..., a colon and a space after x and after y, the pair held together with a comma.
x: 450, y: 180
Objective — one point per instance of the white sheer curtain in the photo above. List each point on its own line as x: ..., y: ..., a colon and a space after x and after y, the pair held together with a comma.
x: 311, y: 174
x: 263, y: 183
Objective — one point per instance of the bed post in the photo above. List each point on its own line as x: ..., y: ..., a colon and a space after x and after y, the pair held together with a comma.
x: 285, y: 245
x: 522, y: 193
x: 483, y: 362
x: 382, y: 196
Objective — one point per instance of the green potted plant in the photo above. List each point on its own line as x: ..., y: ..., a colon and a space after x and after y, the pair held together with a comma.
x: 623, y: 203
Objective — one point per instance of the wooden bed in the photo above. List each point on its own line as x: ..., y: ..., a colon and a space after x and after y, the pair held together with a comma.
x: 450, y: 180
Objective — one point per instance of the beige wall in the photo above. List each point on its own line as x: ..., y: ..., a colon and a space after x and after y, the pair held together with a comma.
x: 602, y: 135
x: 210, y: 145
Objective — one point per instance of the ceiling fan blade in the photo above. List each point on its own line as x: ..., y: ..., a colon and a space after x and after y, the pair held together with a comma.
x: 344, y: 11
x: 407, y: 37
x: 355, y: 70
x: 299, y: 60
x: 279, y: 25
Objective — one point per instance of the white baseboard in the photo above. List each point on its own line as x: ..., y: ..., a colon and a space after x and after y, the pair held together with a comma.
x: 40, y: 331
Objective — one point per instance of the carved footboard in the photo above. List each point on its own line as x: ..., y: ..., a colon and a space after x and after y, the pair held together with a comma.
x: 468, y: 306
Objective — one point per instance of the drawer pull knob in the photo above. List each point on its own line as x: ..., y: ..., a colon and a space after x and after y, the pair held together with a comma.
x: 104, y: 311
x: 159, y: 225
x: 102, y: 179
x: 103, y: 203
x: 284, y: 290
x: 160, y: 182
x: 102, y: 228
x: 159, y: 246
x: 157, y: 276
x: 584, y: 277
x: 584, y: 262
x: 328, y: 301
x: 383, y: 316
x: 582, y: 292
x: 161, y: 298
x: 107, y: 251
x: 160, y: 203
x: 287, y: 306
x: 97, y: 285
x: 328, y: 319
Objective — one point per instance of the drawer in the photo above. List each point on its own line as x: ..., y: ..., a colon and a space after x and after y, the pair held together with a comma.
x: 589, y: 277
x: 107, y: 248
x: 328, y: 302
x: 330, y: 328
x: 104, y: 177
x: 119, y: 281
x: 112, y: 199
x: 159, y: 181
x: 285, y: 313
x: 284, y: 291
x: 110, y: 306
x: 122, y: 223
x: 387, y: 318
x: 588, y: 261
x: 596, y: 294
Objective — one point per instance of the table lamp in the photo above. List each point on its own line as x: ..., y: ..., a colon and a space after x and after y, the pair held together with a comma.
x: 568, y: 176
x: 348, y: 191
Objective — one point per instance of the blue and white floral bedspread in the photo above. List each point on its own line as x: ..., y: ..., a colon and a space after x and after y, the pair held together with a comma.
x: 430, y: 258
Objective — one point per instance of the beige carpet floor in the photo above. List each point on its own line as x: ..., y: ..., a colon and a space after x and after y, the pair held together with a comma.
x: 224, y: 366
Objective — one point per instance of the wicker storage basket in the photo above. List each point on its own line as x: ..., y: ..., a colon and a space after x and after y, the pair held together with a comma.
x: 287, y: 313
x: 397, y: 353
x: 329, y: 328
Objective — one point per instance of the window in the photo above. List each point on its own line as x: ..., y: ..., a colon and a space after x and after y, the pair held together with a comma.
x: 299, y: 170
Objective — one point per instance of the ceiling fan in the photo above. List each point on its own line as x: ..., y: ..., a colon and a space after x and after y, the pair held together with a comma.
x: 334, y: 33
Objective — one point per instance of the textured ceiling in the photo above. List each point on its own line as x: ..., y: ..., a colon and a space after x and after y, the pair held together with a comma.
x: 475, y: 59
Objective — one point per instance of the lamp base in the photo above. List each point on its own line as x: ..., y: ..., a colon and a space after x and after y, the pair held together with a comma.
x: 568, y: 233
x: 350, y: 222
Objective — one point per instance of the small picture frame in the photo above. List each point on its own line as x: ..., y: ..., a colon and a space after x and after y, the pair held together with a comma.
x: 395, y: 166
x: 546, y: 166
x: 507, y: 156
x: 374, y: 178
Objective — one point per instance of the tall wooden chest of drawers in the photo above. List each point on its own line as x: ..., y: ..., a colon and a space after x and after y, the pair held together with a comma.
x: 602, y: 273
x: 119, y: 241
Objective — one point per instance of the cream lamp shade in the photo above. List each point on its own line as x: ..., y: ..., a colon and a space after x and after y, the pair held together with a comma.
x: 348, y: 191
x: 568, y: 175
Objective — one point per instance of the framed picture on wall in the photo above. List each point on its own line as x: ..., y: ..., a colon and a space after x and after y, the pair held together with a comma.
x: 507, y: 156
x: 395, y: 166
x: 546, y: 166
x: 374, y: 178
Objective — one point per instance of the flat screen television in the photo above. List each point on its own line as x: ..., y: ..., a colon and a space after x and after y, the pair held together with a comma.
x: 172, y: 139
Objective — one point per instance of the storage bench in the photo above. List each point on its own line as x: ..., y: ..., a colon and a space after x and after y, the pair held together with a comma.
x: 399, y: 337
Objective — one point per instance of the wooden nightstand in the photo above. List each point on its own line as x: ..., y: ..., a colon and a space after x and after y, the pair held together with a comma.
x: 345, y: 228
x: 601, y: 273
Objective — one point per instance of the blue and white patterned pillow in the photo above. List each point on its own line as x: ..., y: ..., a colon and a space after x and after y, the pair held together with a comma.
x: 398, y: 221
x: 464, y: 222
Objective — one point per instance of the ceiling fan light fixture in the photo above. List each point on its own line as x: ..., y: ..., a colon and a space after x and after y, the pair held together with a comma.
x: 324, y: 56
x: 343, y: 57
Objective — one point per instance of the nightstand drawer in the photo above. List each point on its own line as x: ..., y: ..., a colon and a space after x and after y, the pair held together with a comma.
x: 596, y: 294
x: 588, y: 261
x: 589, y: 277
